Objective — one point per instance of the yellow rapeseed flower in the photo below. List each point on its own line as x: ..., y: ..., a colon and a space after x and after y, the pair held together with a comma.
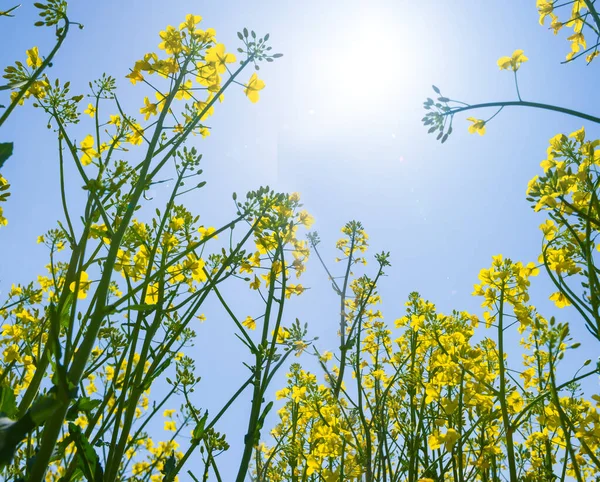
x: 33, y: 58
x: 252, y: 88
x: 513, y: 62
x: 249, y: 323
x: 87, y: 146
x: 91, y: 111
x: 478, y: 126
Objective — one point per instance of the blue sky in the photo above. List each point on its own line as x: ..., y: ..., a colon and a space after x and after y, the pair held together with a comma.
x: 339, y: 122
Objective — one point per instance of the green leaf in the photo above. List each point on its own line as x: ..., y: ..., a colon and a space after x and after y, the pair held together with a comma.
x: 43, y: 408
x: 8, y: 404
x: 261, y: 419
x: 6, y: 150
x: 87, y: 459
x: 83, y: 404
x: 169, y: 466
x: 198, y: 432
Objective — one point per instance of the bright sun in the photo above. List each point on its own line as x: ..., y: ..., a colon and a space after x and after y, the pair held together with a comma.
x: 365, y: 63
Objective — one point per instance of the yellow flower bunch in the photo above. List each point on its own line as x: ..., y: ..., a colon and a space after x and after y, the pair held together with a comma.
x: 580, y: 14
x: 513, y: 62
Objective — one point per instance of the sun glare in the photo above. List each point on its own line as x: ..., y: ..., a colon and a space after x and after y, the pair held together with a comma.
x: 366, y: 65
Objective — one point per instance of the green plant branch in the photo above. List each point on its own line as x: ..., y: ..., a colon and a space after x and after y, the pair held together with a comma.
x: 37, y: 72
x: 522, y: 103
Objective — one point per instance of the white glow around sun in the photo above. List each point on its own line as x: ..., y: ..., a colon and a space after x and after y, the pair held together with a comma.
x: 365, y: 62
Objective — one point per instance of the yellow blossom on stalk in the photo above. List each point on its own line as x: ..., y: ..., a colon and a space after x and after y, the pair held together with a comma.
x: 253, y: 86
x: 11, y: 353
x: 151, y: 297
x: 312, y: 464
x: 305, y: 219
x: 203, y: 109
x: 448, y: 440
x: 578, y: 43
x: 579, y: 134
x: 134, y: 76
x: 256, y: 283
x: 87, y: 146
x: 217, y: 57
x: 185, y: 91
x: 549, y: 229
x: 166, y: 67
x: 592, y: 56
x: 136, y: 135
x: 560, y: 300
x: 293, y: 290
x: 207, y: 232
x: 148, y: 109
x: 545, y: 8
x: 515, y: 402
x: 91, y: 388
x: 282, y: 335
x: 139, y: 468
x: 196, y: 266
x: 300, y: 346
x: 190, y: 22
x: 171, y: 40
x: 326, y: 356
x: 207, y: 75
x: 84, y: 286
x: 283, y: 393
x: 33, y: 58
x: 168, y: 412
x: 176, y: 223
x: 513, y: 62
x: 249, y: 323
x: 115, y: 120
x: 478, y: 126
x: 298, y: 393
x: 91, y: 111
x: 170, y: 426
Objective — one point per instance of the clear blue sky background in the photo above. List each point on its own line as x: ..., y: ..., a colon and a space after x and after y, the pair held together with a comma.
x: 339, y: 122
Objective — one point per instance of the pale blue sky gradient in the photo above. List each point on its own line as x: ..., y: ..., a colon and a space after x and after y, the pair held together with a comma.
x: 340, y: 122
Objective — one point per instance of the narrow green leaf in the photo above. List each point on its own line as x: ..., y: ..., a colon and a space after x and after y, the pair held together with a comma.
x: 198, y: 432
x: 87, y: 459
x: 6, y: 150
x: 169, y: 466
x: 8, y: 404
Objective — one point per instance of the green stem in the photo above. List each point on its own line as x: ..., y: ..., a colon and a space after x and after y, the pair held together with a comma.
x: 563, y: 422
x: 508, y: 428
x: 590, y: 6
x: 517, y: 86
x: 250, y: 438
x: 343, y: 345
x: 522, y: 103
